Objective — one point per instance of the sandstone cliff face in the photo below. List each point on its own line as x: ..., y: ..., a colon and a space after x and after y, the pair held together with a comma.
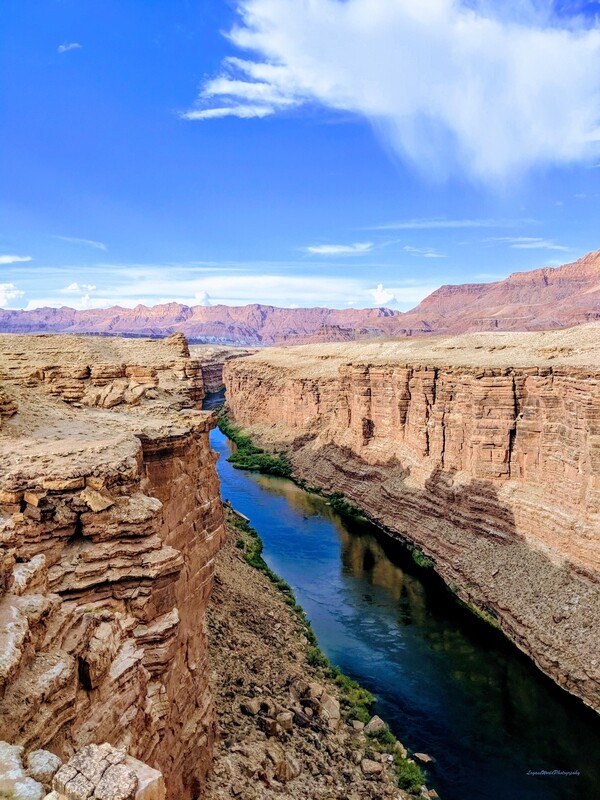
x: 492, y: 468
x: 212, y: 360
x: 110, y: 518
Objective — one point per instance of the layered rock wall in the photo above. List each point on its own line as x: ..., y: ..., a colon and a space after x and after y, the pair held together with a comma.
x: 110, y: 518
x: 494, y: 471
x: 212, y: 360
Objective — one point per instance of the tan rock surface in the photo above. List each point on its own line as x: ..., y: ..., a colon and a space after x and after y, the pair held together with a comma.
x: 484, y: 450
x: 102, y: 772
x: 110, y: 518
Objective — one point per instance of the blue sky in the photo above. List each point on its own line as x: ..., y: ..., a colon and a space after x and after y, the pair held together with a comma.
x: 293, y: 152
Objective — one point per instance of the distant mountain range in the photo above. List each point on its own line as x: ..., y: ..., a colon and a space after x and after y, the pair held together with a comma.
x: 538, y: 300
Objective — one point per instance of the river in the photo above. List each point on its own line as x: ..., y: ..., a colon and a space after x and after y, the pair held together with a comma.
x: 447, y: 683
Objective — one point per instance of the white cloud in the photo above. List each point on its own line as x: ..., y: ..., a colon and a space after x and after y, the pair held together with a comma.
x: 382, y: 296
x: 8, y: 292
x: 150, y: 285
x: 86, y: 242
x: 76, y: 288
x: 404, y: 296
x: 202, y: 298
x: 13, y: 259
x: 359, y: 248
x: 447, y: 84
x: 440, y: 223
x: 423, y: 252
x: 241, y: 111
x: 529, y: 243
x: 64, y: 48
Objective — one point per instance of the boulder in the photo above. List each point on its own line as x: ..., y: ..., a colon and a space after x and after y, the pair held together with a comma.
x: 375, y: 725
x: 42, y: 766
x: 329, y: 711
x: 251, y: 707
x: 371, y: 768
x: 423, y: 758
x: 286, y: 720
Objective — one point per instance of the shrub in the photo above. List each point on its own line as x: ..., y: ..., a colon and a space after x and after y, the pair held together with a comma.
x: 421, y: 559
x: 316, y: 658
x: 249, y: 457
x: 408, y: 774
x: 338, y: 502
x: 385, y: 738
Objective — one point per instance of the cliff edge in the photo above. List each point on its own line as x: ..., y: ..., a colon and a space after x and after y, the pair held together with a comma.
x: 110, y: 518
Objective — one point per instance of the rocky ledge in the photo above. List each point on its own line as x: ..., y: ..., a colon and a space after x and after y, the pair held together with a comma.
x: 110, y: 518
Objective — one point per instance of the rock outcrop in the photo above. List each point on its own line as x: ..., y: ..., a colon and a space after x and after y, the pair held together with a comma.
x: 541, y: 299
x: 96, y: 772
x: 482, y: 450
x: 110, y: 518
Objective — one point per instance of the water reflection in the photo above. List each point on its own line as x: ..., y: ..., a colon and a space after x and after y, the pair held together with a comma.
x: 449, y: 684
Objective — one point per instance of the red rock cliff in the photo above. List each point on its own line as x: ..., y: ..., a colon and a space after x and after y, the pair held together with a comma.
x: 110, y: 518
x: 484, y: 450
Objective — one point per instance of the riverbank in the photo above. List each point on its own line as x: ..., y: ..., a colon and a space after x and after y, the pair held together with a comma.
x: 289, y: 723
x: 248, y: 456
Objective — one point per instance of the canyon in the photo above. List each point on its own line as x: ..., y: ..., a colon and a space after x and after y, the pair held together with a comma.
x: 541, y: 299
x: 110, y: 520
x: 481, y: 450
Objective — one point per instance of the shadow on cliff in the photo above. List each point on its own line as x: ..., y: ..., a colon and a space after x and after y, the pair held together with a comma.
x: 475, y: 506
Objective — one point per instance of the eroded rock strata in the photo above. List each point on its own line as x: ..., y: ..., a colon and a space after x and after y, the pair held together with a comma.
x: 212, y: 360
x: 110, y: 518
x: 483, y: 450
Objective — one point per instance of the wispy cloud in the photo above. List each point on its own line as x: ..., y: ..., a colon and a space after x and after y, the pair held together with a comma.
x: 10, y: 259
x: 528, y: 243
x: 423, y: 252
x: 65, y: 48
x: 9, y: 292
x: 440, y: 223
x: 486, y: 92
x: 358, y: 248
x: 76, y: 288
x: 241, y: 111
x: 86, y: 242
